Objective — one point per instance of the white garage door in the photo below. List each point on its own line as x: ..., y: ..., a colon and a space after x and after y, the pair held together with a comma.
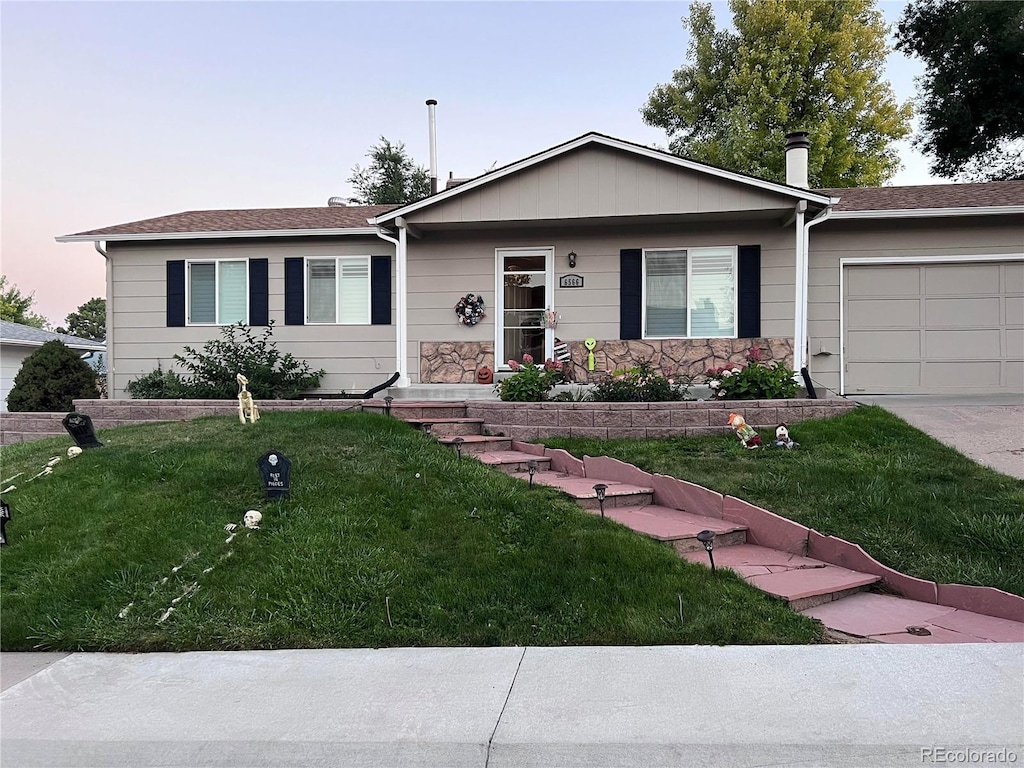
x: 934, y: 328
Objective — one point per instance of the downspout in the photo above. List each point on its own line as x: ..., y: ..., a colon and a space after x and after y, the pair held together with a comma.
x: 401, y: 331
x: 110, y: 316
x: 798, y: 285
x: 821, y: 217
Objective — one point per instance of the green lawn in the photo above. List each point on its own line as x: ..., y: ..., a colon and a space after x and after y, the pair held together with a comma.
x: 460, y: 555
x: 913, y: 503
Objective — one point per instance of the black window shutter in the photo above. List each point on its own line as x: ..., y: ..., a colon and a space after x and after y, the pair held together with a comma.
x: 294, y: 293
x: 630, y: 293
x: 259, y: 291
x: 175, y: 294
x: 749, y: 309
x: 380, y: 290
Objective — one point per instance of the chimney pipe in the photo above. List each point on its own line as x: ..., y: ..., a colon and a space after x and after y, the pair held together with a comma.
x: 796, y: 159
x: 431, y: 103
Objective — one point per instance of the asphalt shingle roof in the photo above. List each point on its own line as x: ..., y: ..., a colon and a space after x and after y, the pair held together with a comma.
x: 992, y: 193
x: 16, y: 333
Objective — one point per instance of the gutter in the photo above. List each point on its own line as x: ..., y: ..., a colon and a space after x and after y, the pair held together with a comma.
x: 401, y: 325
x: 820, y: 218
x: 927, y: 213
x: 86, y: 238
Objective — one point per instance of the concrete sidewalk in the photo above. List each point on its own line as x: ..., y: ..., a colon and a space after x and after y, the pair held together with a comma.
x: 836, y: 705
x: 986, y: 428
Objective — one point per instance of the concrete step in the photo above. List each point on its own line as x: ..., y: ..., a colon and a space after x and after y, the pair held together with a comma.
x: 889, y: 619
x: 477, y: 444
x: 448, y: 427
x: 801, y: 582
x: 514, y: 462
x: 677, y: 527
x: 582, y: 490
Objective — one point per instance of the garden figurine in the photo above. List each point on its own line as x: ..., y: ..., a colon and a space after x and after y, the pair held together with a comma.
x: 747, y: 434
x: 782, y: 438
x: 246, y: 405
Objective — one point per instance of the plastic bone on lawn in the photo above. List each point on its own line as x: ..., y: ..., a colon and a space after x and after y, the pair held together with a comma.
x: 246, y: 405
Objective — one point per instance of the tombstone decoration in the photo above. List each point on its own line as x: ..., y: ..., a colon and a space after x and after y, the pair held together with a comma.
x: 275, y: 471
x: 5, y: 515
x: 79, y: 426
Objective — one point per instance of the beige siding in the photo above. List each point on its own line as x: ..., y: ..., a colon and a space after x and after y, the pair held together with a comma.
x: 599, y: 182
x: 896, y: 241
x: 354, y: 356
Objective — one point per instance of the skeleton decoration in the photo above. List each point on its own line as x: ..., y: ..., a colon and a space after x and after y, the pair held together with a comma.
x: 73, y: 451
x: 252, y: 519
x: 246, y: 405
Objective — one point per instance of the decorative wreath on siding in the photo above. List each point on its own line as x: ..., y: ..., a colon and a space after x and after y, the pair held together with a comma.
x: 470, y: 309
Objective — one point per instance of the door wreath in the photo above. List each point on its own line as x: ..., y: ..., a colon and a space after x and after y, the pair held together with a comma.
x: 470, y: 309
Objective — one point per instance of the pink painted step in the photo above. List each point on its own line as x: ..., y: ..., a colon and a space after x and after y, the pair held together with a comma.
x: 475, y: 444
x: 448, y: 427
x: 885, y: 619
x: 514, y: 462
x: 675, y: 526
x: 802, y: 582
x: 582, y: 490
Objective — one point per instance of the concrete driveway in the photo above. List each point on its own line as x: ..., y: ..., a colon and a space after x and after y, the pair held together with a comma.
x: 986, y: 428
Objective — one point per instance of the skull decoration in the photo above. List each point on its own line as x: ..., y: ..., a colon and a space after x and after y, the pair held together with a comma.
x: 252, y: 519
x: 73, y: 451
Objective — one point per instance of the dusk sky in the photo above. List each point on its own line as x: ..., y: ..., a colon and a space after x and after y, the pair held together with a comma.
x: 114, y: 112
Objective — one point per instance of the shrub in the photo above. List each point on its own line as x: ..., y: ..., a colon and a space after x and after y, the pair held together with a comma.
x: 50, y: 378
x: 210, y: 374
x: 639, y: 384
x: 530, y: 382
x: 755, y: 381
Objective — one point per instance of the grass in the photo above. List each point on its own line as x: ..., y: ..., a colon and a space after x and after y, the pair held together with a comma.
x: 387, y: 540
x: 913, y: 503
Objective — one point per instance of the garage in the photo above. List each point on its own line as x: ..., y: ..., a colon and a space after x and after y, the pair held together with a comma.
x: 943, y: 326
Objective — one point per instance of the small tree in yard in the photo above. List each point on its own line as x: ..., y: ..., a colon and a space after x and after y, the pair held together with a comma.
x: 50, y: 379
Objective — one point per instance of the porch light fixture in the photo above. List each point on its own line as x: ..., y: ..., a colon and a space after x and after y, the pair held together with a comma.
x: 531, y: 467
x: 387, y: 405
x: 707, y: 538
x: 457, y: 442
x: 572, y: 259
x: 600, y: 489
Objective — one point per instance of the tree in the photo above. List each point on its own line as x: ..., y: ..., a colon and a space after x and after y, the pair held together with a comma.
x: 15, y: 306
x: 811, y: 65
x: 89, y: 321
x: 50, y: 378
x: 972, y: 92
x: 391, y: 177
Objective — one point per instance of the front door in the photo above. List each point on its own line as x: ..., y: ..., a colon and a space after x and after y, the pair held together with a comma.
x: 524, y: 295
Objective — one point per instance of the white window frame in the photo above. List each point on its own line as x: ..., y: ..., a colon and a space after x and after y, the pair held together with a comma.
x: 216, y: 290
x: 337, y: 286
x: 689, y: 283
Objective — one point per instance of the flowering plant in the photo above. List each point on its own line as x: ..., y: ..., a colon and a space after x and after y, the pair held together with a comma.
x: 470, y: 309
x: 640, y: 384
x: 755, y: 381
x: 529, y: 382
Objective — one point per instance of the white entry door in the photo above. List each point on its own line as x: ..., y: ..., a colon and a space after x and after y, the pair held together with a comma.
x: 525, y: 293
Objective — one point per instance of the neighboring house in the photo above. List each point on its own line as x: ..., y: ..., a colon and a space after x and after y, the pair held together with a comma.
x: 887, y: 290
x: 19, y: 341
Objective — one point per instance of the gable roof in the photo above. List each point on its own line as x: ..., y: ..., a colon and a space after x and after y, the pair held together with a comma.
x: 929, y: 200
x: 20, y: 335
x: 586, y: 139
x: 258, y: 222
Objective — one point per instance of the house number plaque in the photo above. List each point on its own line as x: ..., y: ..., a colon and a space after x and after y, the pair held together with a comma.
x: 570, y: 281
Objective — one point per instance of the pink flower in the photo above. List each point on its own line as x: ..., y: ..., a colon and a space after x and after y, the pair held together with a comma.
x: 513, y: 365
x: 527, y: 358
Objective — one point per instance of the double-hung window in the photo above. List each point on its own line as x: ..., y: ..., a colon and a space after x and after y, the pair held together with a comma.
x: 690, y: 293
x: 218, y: 292
x: 338, y: 290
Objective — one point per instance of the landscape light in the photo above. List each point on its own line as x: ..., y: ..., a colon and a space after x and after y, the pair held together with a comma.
x: 387, y: 405
x: 707, y: 538
x: 600, y: 489
x: 531, y: 467
x: 457, y: 442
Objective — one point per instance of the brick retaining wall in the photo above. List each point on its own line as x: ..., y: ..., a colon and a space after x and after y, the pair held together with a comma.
x: 528, y: 421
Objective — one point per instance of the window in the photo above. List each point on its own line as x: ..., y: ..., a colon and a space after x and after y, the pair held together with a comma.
x: 218, y: 292
x: 338, y: 290
x: 690, y: 293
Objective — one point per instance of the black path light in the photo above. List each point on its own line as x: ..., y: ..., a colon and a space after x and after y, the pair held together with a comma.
x: 600, y: 489
x: 457, y: 442
x: 531, y: 467
x: 707, y: 538
x: 387, y: 405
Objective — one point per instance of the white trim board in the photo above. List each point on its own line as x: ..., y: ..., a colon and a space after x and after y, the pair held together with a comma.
x: 854, y: 261
x: 218, y: 235
x: 926, y: 213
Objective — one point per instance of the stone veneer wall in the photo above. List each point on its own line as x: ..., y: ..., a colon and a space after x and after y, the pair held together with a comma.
x: 454, y: 362
x: 529, y: 421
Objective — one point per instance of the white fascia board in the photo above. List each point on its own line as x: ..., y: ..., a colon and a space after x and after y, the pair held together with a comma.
x: 29, y: 343
x: 925, y: 213
x: 607, y: 141
x: 252, y: 233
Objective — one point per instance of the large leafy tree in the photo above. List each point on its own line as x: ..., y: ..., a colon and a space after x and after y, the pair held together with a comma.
x: 812, y: 65
x: 16, y: 307
x: 391, y: 177
x: 972, y: 91
x: 89, y: 321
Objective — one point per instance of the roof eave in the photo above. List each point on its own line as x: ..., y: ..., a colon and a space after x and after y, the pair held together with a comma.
x: 250, y: 233
x: 921, y: 213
